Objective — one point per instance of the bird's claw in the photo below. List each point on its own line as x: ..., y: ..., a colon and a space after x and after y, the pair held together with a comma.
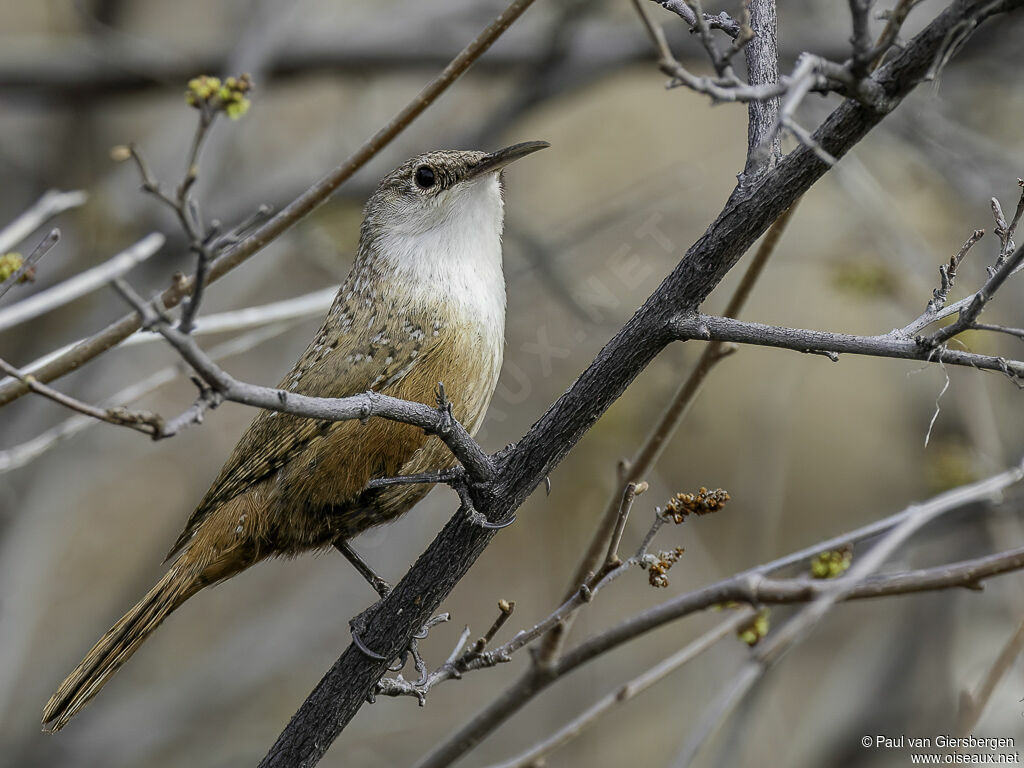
x: 357, y: 641
x: 479, y: 519
x: 358, y: 624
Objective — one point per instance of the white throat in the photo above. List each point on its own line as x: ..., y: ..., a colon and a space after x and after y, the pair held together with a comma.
x: 452, y: 252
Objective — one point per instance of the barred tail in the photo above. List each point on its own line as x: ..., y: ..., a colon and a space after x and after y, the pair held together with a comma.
x: 118, y: 644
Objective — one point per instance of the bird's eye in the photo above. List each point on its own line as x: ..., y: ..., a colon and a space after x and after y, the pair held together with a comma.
x: 424, y: 177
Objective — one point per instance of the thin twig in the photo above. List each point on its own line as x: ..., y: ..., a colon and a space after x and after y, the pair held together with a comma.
x: 801, y: 625
x: 81, y: 284
x: 890, y: 34
x: 1018, y: 332
x: 140, y: 421
x: 27, y: 266
x: 625, y: 692
x: 947, y: 274
x: 22, y: 454
x: 611, y: 559
x: 978, y: 302
x: 1005, y: 231
x: 861, y: 39
x: 52, y: 203
x: 505, y: 609
x: 972, y: 705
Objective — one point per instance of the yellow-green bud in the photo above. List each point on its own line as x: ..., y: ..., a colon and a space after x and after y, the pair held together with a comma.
x: 201, y: 89
x: 756, y: 630
x: 9, y: 264
x: 830, y: 564
x: 205, y: 92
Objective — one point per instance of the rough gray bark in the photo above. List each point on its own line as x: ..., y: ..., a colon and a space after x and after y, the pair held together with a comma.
x: 762, y: 56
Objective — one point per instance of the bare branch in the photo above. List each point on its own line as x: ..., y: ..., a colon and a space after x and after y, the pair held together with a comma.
x: 81, y: 284
x: 633, y: 490
x: 1018, y: 332
x: 762, y: 57
x: 722, y: 21
x: 141, y: 421
x: 436, y: 421
x: 19, y: 455
x: 890, y: 34
x: 51, y: 204
x: 831, y: 592
x: 1005, y: 231
x: 861, y: 40
x: 972, y: 705
x: 977, y: 303
x: 892, y: 344
x: 625, y: 692
x: 947, y: 274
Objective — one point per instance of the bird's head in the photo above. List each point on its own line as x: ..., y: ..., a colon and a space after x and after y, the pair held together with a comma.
x: 439, y: 208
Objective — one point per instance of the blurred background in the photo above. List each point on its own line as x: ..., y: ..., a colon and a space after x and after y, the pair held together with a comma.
x: 806, y: 447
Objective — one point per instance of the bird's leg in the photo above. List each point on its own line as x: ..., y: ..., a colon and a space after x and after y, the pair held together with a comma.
x: 380, y: 586
x: 357, y: 624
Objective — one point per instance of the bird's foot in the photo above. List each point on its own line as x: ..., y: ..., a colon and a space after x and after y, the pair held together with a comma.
x: 475, y: 516
x: 359, y: 623
x: 413, y: 649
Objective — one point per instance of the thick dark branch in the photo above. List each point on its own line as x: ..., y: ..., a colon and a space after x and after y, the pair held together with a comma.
x: 747, y: 215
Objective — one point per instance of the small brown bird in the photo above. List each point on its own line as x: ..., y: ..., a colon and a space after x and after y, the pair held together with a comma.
x: 423, y: 304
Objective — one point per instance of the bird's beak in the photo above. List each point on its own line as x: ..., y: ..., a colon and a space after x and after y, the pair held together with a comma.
x: 495, y: 161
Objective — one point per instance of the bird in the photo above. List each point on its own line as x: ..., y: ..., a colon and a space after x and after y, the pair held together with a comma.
x: 423, y: 305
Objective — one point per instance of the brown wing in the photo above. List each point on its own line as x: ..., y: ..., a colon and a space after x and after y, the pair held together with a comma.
x: 274, y: 439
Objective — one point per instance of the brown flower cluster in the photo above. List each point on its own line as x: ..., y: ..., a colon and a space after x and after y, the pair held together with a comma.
x: 703, y: 502
x: 657, y: 572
